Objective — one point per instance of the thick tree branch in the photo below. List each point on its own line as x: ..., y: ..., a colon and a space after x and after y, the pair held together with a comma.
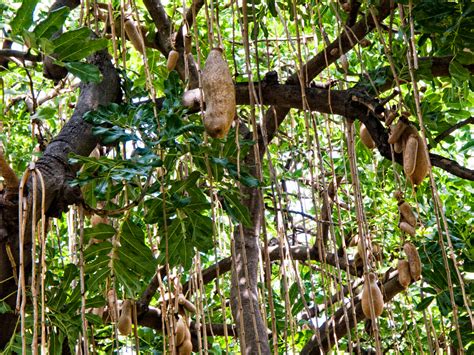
x: 75, y: 137
x: 299, y: 253
x: 339, y: 102
x: 345, y: 42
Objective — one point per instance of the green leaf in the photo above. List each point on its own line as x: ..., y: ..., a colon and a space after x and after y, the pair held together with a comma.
x: 4, y: 307
x: 54, y: 21
x: 88, y: 73
x: 424, y: 303
x: 236, y: 209
x: 69, y: 38
x: 77, y: 44
x: 458, y: 71
x: 24, y: 16
x: 101, y: 231
x: 81, y: 49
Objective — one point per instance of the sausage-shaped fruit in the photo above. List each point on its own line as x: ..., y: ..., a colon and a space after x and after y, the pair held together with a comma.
x: 219, y: 94
x: 124, y: 323
x: 133, y: 33
x: 188, y: 43
x: 406, y: 211
x: 371, y: 295
x: 421, y: 168
x: 186, y: 348
x: 173, y: 57
x: 413, y: 260
x: 404, y: 276
x: 398, y: 146
x: 186, y: 304
x: 180, y: 331
x: 397, y: 131
x: 407, y: 228
x: 410, y: 154
x: 366, y: 138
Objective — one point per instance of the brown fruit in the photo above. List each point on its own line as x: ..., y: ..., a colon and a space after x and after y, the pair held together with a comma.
x: 397, y: 131
x: 413, y: 260
x: 191, y: 98
x: 371, y: 287
x: 96, y: 219
x: 219, y: 94
x: 124, y: 323
x: 180, y: 331
x: 366, y: 138
x: 404, y: 276
x: 186, y: 348
x: 133, y: 33
x: 344, y: 63
x: 407, y: 228
x: 188, y: 43
x: 173, y: 57
x: 364, y: 43
x: 186, y: 304
x: 406, y: 211
x: 410, y: 154
x: 9, y: 176
x: 421, y: 168
x: 398, y: 146
x: 112, y: 304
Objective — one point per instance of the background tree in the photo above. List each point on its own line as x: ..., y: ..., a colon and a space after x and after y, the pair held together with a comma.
x: 136, y: 225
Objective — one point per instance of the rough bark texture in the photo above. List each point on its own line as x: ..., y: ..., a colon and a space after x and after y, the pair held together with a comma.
x: 76, y: 137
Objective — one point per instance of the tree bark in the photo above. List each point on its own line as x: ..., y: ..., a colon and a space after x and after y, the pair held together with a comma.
x: 75, y: 137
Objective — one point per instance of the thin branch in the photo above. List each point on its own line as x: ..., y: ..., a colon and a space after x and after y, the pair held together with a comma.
x: 9, y: 53
x: 451, y: 129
